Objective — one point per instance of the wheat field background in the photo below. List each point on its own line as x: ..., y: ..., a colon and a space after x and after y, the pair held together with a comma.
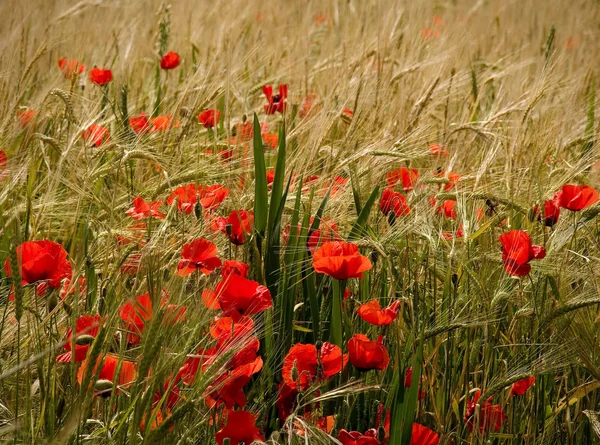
x: 494, y: 105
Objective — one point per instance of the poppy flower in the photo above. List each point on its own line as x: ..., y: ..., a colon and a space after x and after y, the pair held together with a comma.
x: 100, y: 76
x: 240, y: 428
x: 357, y: 438
x: 421, y: 435
x: 270, y: 140
x: 392, y: 201
x: 3, y: 162
x: 209, y: 118
x: 243, y: 131
x: 277, y: 102
x: 210, y: 197
x: 142, y: 209
x: 68, y: 289
x: 70, y: 68
x: 551, y: 212
x: 408, y: 382
x: 226, y: 326
x: 26, y: 116
x: 454, y: 235
x: 95, y: 135
x: 170, y: 61
x: 200, y: 255
x: 162, y: 123
x: 448, y: 209
x: 407, y: 176
x: 327, y: 231
x: 340, y: 260
x: 86, y: 329
x: 108, y: 365
x: 300, y: 365
x: 451, y: 177
x: 576, y: 197
x: 41, y: 261
x: 237, y: 226
x: 519, y: 388
x: 347, y: 115
x: 287, y: 397
x: 235, y: 267
x: 239, y: 296
x: 438, y: 150
x: 209, y: 298
x: 136, y: 314
x: 371, y: 312
x: 228, y: 388
x: 491, y: 416
x: 140, y: 123
x: 270, y: 176
x: 365, y: 354
x: 517, y: 252
x: 308, y: 105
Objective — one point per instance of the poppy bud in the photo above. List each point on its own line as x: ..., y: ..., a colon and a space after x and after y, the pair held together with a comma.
x: 198, y: 209
x: 226, y: 441
x: 229, y: 229
x: 532, y: 213
x: 381, y: 434
x: 374, y: 256
x: 52, y: 302
x: 84, y: 339
x: 319, y: 345
x: 391, y: 218
x: 295, y: 374
x: 103, y: 387
x: 67, y: 308
x: 454, y: 279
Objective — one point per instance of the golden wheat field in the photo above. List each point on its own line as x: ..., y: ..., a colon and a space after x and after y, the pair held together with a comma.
x: 359, y: 222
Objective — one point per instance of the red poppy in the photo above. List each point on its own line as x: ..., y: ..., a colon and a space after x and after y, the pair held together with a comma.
x: 70, y: 68
x: 26, y: 116
x: 228, y: 388
x: 237, y: 226
x: 491, y: 416
x: 551, y: 212
x: 286, y: 400
x: 100, y: 76
x: 67, y: 289
x: 210, y: 197
x: 327, y: 231
x: 170, y: 61
x: 340, y: 260
x: 209, y: 118
x: 226, y: 326
x: 270, y: 176
x: 277, y: 102
x: 407, y: 176
x: 454, y: 235
x: 96, y: 135
x: 438, y: 150
x: 209, y: 298
x: 140, y: 123
x: 421, y: 435
x: 392, y: 201
x: 3, y: 162
x: 162, y: 123
x: 142, y: 209
x: 365, y: 354
x: 308, y: 105
x: 270, y: 140
x: 236, y: 267
x: 576, y: 197
x: 347, y: 115
x: 357, y: 438
x: 239, y: 296
x: 448, y: 209
x: 200, y: 255
x: 86, y: 329
x: 136, y: 314
x: 240, y: 428
x: 519, y: 388
x: 408, y: 382
x: 41, y: 261
x: 244, y: 131
x: 517, y: 252
x: 300, y: 364
x: 106, y: 375
x: 371, y: 312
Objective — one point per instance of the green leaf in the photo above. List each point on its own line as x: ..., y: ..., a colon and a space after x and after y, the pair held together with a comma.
x: 359, y: 225
x: 260, y: 182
